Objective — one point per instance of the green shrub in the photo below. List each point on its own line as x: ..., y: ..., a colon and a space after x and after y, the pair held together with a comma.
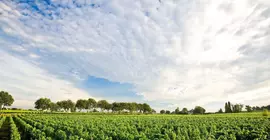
x: 265, y: 112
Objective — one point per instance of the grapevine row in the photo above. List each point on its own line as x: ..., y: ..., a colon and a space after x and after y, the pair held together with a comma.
x: 31, y: 132
x: 2, y: 120
x: 15, y: 135
x: 57, y: 132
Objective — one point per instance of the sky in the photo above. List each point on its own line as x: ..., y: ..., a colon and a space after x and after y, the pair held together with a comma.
x: 168, y: 53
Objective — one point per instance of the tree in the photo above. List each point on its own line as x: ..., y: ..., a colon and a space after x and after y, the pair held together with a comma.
x: 70, y: 105
x: 258, y: 108
x: 248, y: 108
x: 162, y: 111
x: 228, y: 107
x: 177, y: 111
x: 220, y: 111
x: 237, y: 108
x: 168, y: 112
x: 43, y: 103
x: 102, y: 104
x: 184, y: 111
x: 81, y: 104
x: 140, y: 107
x: 5, y: 99
x: 191, y: 111
x: 132, y: 107
x: 253, y: 108
x: 116, y: 107
x: 91, y: 104
x: 60, y: 104
x: 146, y: 108
x: 123, y: 106
x: 108, y: 107
x: 198, y: 110
x: 268, y: 107
x: 54, y: 107
x: 67, y: 105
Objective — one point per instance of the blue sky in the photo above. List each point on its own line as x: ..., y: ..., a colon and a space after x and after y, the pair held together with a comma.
x: 104, y: 87
x: 173, y: 53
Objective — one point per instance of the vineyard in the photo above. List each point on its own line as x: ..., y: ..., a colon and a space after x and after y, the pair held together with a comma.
x: 134, y: 127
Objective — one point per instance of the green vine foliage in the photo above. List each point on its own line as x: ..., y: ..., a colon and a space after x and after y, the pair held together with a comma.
x: 144, y: 127
x: 15, y: 135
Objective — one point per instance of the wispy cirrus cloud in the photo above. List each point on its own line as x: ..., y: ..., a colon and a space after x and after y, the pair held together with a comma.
x: 180, y: 52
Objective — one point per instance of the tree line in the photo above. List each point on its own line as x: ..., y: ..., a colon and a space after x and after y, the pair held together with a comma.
x: 196, y: 110
x: 91, y: 105
x: 228, y: 108
x: 236, y: 108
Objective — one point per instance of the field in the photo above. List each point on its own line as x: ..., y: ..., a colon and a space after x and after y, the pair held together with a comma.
x: 240, y: 126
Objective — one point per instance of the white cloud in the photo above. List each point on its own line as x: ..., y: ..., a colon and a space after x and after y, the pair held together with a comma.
x: 255, y: 92
x: 26, y: 83
x: 196, y: 51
